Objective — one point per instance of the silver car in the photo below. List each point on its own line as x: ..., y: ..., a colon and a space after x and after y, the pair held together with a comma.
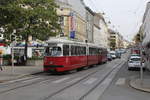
x: 135, y: 62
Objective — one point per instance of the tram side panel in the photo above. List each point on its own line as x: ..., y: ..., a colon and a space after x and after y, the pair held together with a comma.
x: 77, y: 62
x: 55, y: 63
x: 78, y: 56
x: 100, y: 57
x: 104, y: 55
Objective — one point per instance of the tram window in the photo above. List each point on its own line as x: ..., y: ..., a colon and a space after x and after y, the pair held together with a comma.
x: 53, y: 51
x: 76, y: 50
x: 72, y: 50
x: 47, y: 51
x: 84, y: 49
x: 93, y: 51
x: 66, y: 50
x: 79, y: 50
x: 56, y: 51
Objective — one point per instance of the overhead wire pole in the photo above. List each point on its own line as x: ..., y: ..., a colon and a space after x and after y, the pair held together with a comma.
x: 12, y: 50
x: 140, y: 45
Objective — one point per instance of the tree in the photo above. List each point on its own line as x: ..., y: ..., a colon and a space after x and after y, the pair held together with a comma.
x: 37, y: 18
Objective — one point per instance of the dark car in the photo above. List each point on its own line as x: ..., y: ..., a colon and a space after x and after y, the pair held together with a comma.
x: 109, y: 57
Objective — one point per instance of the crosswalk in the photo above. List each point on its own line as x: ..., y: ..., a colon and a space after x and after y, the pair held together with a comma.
x: 121, y: 81
x: 68, y: 80
x: 61, y: 80
x: 90, y: 81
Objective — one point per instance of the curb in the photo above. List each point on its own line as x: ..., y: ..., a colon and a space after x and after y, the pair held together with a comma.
x: 133, y: 84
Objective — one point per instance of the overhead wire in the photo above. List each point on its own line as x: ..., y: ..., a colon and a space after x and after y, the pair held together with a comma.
x: 136, y: 11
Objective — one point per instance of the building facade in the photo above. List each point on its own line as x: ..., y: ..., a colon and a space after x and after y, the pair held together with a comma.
x: 73, y: 19
x: 116, y: 40
x: 146, y: 27
x: 145, y: 30
x: 80, y: 23
x: 101, y: 34
x: 89, y: 25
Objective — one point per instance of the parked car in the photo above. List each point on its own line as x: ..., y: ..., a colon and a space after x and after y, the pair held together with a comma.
x: 109, y: 57
x: 135, y: 62
x: 113, y: 54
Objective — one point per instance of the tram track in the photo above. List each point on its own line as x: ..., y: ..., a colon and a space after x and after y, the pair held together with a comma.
x: 86, y: 76
x: 22, y: 86
x: 49, y: 97
x: 94, y: 87
x: 32, y: 83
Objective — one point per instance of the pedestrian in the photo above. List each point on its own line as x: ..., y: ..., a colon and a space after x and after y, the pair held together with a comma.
x: 23, y: 59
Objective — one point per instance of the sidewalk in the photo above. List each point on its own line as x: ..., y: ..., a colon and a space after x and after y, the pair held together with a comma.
x: 143, y: 85
x: 8, y: 73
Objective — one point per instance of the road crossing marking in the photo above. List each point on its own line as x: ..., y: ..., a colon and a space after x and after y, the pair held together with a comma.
x: 97, y: 93
x: 74, y: 80
x: 61, y: 80
x: 90, y: 81
x: 31, y: 80
x: 121, y: 81
x: 17, y: 80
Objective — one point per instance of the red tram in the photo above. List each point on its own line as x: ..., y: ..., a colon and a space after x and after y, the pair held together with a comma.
x: 65, y: 55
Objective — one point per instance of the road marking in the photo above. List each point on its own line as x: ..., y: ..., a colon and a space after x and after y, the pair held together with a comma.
x: 31, y: 80
x: 74, y: 80
x: 121, y: 81
x: 90, y: 81
x: 17, y: 80
x: 98, y: 92
x: 61, y: 80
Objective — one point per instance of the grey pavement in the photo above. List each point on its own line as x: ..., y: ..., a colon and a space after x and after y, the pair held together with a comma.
x: 47, y: 87
x: 10, y: 73
x: 120, y: 88
x: 141, y: 85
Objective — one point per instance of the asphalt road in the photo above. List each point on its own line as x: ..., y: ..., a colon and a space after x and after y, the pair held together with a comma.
x: 119, y: 89
x: 96, y: 83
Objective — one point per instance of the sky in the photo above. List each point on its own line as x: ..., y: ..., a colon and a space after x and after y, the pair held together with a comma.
x: 125, y: 15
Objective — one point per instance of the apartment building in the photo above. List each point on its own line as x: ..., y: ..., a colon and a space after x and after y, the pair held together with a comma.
x: 73, y: 19
x: 101, y: 33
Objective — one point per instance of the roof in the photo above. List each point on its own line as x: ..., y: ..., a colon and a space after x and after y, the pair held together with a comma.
x: 66, y: 41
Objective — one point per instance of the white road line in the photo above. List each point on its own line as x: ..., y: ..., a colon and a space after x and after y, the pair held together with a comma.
x: 74, y: 80
x: 121, y: 81
x: 31, y: 80
x: 97, y: 93
x: 17, y: 80
x: 90, y: 81
x: 61, y: 80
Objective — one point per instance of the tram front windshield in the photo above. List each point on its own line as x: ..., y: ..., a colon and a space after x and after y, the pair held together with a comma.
x: 53, y: 51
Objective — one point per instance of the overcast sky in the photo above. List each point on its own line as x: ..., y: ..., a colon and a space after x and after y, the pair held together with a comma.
x: 125, y: 15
